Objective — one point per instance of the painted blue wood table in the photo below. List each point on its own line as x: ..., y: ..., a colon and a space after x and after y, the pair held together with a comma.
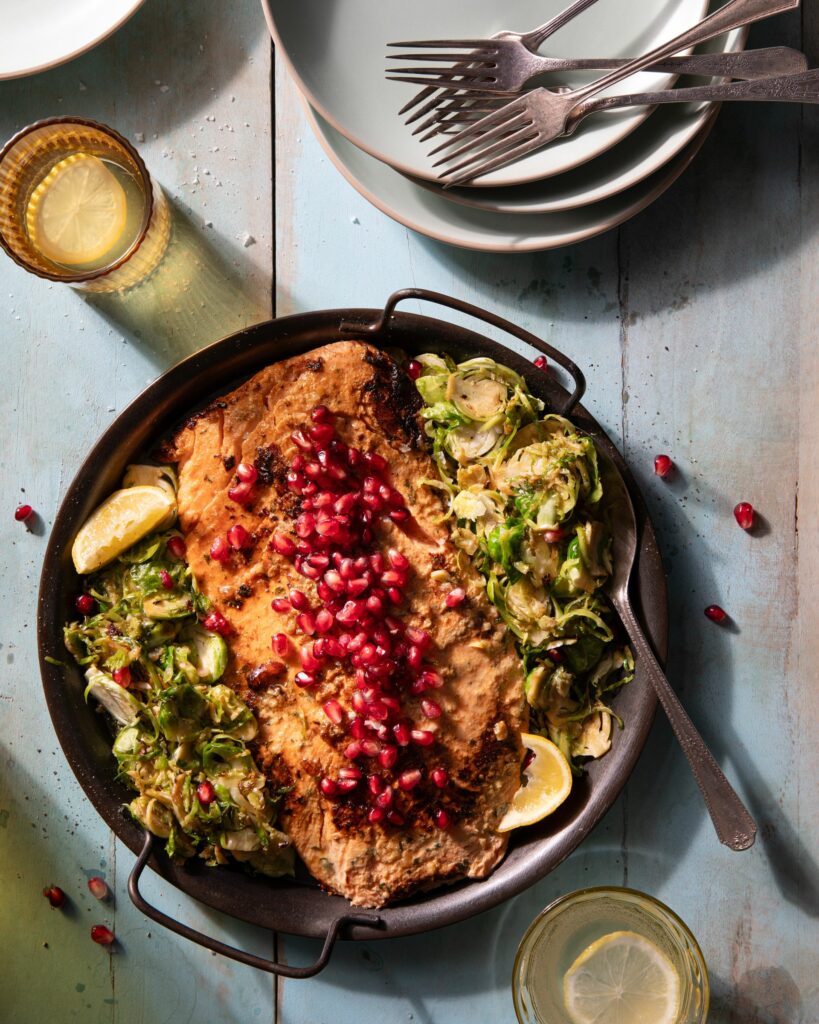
x: 697, y: 323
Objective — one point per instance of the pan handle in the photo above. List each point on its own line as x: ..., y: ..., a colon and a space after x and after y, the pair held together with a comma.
x: 262, y: 963
x: 544, y: 347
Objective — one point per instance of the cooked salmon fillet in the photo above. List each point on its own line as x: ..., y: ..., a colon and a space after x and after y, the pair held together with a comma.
x: 476, y: 738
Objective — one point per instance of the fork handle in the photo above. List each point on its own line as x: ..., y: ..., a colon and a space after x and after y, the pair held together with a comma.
x: 734, y: 14
x: 734, y: 825
x: 802, y: 88
x: 537, y: 37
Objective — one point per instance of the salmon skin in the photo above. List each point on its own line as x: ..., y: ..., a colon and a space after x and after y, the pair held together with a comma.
x: 477, y: 742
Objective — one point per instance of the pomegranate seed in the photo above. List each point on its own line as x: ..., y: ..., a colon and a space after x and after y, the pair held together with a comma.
x: 399, y: 515
x: 329, y: 787
x: 304, y: 680
x: 430, y: 708
x: 663, y: 465
x: 357, y: 728
x: 388, y: 756
x: 283, y: 544
x: 385, y: 798
x: 309, y: 662
x: 321, y: 414
x: 375, y: 784
x: 370, y: 747
x: 391, y: 578
x: 241, y: 493
x: 395, y: 595
x: 440, y: 777
x: 306, y: 622
x: 402, y: 733
x: 359, y: 702
x: 122, y: 676
x: 375, y: 606
x: 280, y: 642
x: 101, y: 935
x: 205, y: 793
x: 455, y: 597
x: 22, y: 512
x: 356, y: 587
x: 217, y: 623
x: 377, y: 562
x: 423, y: 737
x: 744, y: 515
x: 98, y: 888
x: 555, y: 655
x: 541, y: 362
x: 238, y: 537
x: 350, y: 613
x: 305, y: 525
x: 431, y: 679
x: 397, y: 560
x: 419, y: 637
x: 300, y: 441
x: 372, y: 501
x: 375, y: 816
x: 322, y: 433
x: 353, y: 750
x: 414, y: 656
x: 394, y: 818
x: 409, y: 780
x: 177, y: 547
x: 54, y: 895
x: 334, y: 581
x: 296, y: 482
x: 166, y: 579
x: 299, y: 600
x: 347, y: 785
x: 715, y: 613
x: 376, y: 462
x: 334, y: 711
x: 414, y: 369
x: 554, y: 536
x: 85, y: 604
x: 219, y: 550
x: 247, y: 472
x: 442, y: 819
x: 324, y: 621
x: 280, y: 604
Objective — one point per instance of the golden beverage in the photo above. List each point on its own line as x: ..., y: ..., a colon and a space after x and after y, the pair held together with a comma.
x: 78, y: 205
x: 609, y: 955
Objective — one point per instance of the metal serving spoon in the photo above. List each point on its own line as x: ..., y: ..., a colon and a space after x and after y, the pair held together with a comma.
x: 734, y: 825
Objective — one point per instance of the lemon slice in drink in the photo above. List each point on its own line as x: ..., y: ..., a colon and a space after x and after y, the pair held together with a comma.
x: 77, y: 213
x: 622, y: 978
x: 548, y: 783
x: 121, y: 520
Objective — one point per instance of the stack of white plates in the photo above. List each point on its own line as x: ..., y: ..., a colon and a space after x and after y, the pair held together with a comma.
x: 611, y: 168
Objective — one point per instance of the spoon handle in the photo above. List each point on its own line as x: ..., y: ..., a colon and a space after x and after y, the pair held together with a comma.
x: 734, y: 825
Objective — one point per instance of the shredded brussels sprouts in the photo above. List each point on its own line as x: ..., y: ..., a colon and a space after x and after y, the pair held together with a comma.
x: 526, y: 504
x: 177, y: 726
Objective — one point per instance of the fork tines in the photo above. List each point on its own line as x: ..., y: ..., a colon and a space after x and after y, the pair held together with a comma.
x: 492, y: 141
x: 479, y: 52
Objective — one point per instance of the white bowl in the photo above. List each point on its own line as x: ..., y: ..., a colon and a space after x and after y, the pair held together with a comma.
x: 485, y: 230
x: 336, y: 52
x: 39, y: 34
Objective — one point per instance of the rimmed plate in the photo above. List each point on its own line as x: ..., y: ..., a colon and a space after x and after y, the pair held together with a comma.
x: 39, y: 34
x: 336, y: 53
x: 485, y: 230
x: 657, y: 140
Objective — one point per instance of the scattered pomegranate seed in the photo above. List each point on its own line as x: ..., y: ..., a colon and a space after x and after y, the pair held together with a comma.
x: 414, y: 369
x: 554, y: 536
x: 219, y: 550
x: 423, y: 737
x: 238, y: 537
x: 321, y: 414
x: 541, y: 362
x: 455, y: 597
x: 101, y: 935
x: 376, y: 815
x: 394, y: 818
x: 122, y: 676
x: 166, y: 579
x: 329, y: 787
x: 205, y: 793
x: 22, y: 513
x: 430, y: 708
x: 334, y: 711
x: 442, y: 819
x: 388, y: 756
x: 299, y: 600
x: 409, y: 780
x: 85, y: 604
x: 217, y: 623
x: 247, y: 472
x: 555, y: 655
x: 54, y: 895
x: 280, y: 604
x: 283, y: 544
x: 744, y: 515
x: 98, y: 888
x: 305, y: 680
x: 663, y: 465
x: 715, y: 613
x: 241, y: 493
x: 440, y: 777
x: 177, y: 547
x: 306, y: 622
x: 346, y: 785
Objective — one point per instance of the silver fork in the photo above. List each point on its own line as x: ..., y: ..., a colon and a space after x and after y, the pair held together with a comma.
x: 747, y: 65
x: 529, y: 41
x: 541, y: 116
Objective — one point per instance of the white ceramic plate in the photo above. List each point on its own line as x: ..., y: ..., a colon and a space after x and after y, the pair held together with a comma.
x: 336, y: 52
x: 657, y: 140
x: 38, y: 34
x: 470, y: 228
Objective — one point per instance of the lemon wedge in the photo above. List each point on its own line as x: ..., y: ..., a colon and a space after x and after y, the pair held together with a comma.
x: 77, y: 213
x: 548, y: 783
x: 622, y: 978
x: 121, y: 520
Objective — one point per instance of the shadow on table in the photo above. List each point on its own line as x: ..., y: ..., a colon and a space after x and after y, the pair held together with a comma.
x: 194, y: 297
x: 765, y: 995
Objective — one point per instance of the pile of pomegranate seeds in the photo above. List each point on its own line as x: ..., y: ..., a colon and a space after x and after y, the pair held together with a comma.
x: 54, y: 895
x: 663, y: 466
x: 744, y: 515
x: 344, y: 492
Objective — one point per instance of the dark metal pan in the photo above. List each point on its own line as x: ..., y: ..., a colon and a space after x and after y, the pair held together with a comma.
x: 300, y: 907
